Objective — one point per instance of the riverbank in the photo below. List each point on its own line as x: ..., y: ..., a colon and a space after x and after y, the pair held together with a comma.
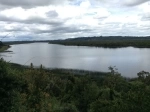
x: 106, y: 42
x: 61, y: 71
x: 3, y: 48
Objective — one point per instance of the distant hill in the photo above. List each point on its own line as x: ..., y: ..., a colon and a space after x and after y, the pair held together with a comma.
x: 107, y: 41
x: 104, y: 38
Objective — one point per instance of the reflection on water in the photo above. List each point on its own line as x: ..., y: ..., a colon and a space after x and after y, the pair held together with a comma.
x: 129, y: 61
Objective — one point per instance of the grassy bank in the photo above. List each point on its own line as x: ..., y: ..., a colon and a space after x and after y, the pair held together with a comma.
x: 32, y: 89
x: 3, y: 48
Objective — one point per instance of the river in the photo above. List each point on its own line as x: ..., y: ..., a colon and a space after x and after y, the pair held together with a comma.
x: 129, y: 61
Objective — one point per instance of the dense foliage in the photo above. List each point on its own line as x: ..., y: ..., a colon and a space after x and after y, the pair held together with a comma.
x: 39, y: 90
x: 110, y: 42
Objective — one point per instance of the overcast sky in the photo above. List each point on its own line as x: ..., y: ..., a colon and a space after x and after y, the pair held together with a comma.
x: 60, y: 19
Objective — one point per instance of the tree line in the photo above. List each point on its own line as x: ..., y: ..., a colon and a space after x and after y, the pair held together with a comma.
x: 110, y: 41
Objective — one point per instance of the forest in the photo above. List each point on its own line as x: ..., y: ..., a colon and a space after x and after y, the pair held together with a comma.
x: 107, y: 42
x: 29, y: 89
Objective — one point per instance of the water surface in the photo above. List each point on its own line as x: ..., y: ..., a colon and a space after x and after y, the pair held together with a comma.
x: 129, y: 60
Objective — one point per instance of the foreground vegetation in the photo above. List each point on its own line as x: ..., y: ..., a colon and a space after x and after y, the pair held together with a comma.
x: 110, y: 42
x: 38, y: 90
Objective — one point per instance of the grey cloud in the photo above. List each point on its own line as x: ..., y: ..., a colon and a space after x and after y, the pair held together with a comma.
x: 134, y: 2
x: 18, y: 28
x: 127, y: 29
x: 30, y: 3
x: 110, y: 25
x: 58, y: 29
x: 39, y: 20
x: 52, y: 13
x: 24, y: 37
x: 54, y: 26
x: 117, y: 3
x: 62, y: 30
x: 69, y: 29
x: 100, y: 18
x: 145, y: 28
x: 146, y: 17
x: 32, y: 20
x: 134, y: 30
x: 131, y: 24
x: 6, y: 19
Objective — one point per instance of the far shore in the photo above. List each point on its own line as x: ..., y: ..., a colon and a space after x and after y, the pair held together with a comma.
x: 106, y: 42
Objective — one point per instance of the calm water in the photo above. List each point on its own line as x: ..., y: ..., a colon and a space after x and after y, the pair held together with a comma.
x: 129, y: 61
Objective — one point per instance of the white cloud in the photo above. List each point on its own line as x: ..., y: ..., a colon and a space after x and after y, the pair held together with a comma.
x: 85, y: 4
x: 145, y: 7
x: 54, y: 19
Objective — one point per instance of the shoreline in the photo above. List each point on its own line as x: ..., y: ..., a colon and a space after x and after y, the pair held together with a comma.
x: 61, y: 70
x: 105, y: 42
x: 3, y: 48
x: 92, y: 43
x: 65, y: 71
